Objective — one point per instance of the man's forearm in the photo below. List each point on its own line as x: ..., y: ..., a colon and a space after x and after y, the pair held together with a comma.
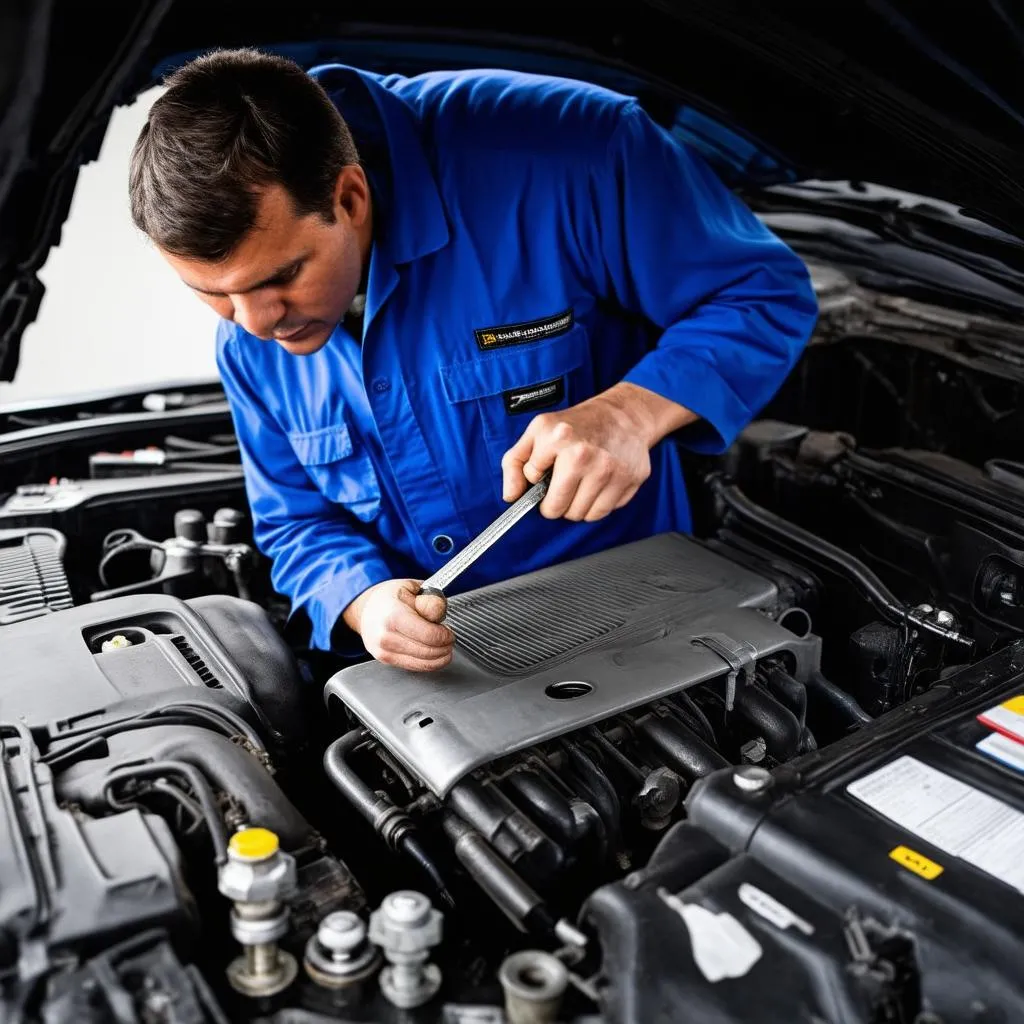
x: 650, y: 415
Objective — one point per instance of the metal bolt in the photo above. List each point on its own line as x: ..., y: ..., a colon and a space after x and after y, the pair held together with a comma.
x: 339, y: 955
x: 408, y: 908
x: 406, y: 926
x: 945, y: 619
x: 257, y: 877
x: 341, y: 932
x: 751, y: 779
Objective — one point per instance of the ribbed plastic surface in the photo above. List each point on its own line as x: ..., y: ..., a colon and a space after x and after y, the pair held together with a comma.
x: 527, y: 622
x: 32, y: 577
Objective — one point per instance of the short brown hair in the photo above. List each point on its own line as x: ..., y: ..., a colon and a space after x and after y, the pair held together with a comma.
x: 230, y: 123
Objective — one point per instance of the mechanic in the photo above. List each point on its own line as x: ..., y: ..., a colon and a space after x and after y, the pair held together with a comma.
x: 433, y: 290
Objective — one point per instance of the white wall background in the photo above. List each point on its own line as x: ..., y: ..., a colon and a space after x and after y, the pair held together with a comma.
x: 114, y: 314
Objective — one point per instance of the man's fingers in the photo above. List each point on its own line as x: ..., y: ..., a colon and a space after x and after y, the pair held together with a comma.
x: 432, y: 607
x: 513, y: 479
x: 405, y: 620
x: 565, y: 479
x: 597, y: 489
x: 611, y: 498
x: 547, y: 446
x: 397, y: 645
x: 413, y: 664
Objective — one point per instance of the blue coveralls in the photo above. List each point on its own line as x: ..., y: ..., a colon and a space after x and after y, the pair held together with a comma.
x: 539, y: 240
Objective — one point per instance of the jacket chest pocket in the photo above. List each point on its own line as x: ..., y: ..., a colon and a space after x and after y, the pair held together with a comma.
x: 341, y: 469
x: 507, y: 388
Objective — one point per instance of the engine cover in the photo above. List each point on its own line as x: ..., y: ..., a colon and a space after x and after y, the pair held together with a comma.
x: 59, y: 675
x: 543, y: 654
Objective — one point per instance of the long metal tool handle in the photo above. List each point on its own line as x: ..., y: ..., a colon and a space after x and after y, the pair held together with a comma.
x: 457, y: 565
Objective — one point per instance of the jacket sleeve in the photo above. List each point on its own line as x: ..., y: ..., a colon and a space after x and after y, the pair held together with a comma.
x: 321, y: 558
x: 673, y: 244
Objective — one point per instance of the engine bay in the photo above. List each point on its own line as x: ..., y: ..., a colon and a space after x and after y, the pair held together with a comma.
x: 637, y: 793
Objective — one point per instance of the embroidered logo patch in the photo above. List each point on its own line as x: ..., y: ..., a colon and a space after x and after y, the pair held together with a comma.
x: 519, y: 334
x: 539, y: 396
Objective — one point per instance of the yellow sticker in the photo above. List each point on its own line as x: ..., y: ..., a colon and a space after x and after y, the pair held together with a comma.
x: 1015, y: 704
x: 916, y: 862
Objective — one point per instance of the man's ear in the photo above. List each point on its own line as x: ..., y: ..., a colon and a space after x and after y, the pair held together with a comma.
x: 352, y: 195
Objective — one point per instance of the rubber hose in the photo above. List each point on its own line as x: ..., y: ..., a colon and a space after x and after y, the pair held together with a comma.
x: 691, y: 757
x: 774, y: 722
x: 841, y: 702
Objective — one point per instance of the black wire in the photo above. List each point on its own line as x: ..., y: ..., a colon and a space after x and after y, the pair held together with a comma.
x: 131, y: 545
x: 200, y: 787
x: 209, y: 715
x: 183, y: 799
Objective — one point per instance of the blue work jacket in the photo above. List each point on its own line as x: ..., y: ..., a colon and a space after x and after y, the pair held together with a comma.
x: 536, y: 241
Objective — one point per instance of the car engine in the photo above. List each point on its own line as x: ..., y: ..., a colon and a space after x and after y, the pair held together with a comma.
x: 671, y: 781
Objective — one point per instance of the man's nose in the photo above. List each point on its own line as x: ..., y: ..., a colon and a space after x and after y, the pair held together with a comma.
x: 258, y: 314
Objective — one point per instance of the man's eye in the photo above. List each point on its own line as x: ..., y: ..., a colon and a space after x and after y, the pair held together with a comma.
x: 289, y: 275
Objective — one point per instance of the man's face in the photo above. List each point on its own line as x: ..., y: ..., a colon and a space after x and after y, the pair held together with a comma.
x: 292, y: 278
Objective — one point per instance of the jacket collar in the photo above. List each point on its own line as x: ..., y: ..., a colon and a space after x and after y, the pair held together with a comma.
x: 412, y: 215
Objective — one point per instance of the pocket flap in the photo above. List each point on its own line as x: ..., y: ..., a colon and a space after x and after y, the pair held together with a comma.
x: 319, y: 447
x: 510, y: 368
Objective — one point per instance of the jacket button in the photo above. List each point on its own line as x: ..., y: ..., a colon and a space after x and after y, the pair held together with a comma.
x: 381, y: 384
x: 443, y: 543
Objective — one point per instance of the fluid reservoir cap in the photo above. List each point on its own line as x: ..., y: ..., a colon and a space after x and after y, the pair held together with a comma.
x: 115, y: 643
x: 254, y: 844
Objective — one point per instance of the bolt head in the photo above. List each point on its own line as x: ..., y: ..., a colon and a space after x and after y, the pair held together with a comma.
x: 945, y: 619
x: 751, y: 779
x: 406, y: 907
x: 405, y: 923
x: 341, y: 932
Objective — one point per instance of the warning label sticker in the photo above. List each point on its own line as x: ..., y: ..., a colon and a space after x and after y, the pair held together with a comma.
x: 1009, y: 752
x: 1007, y: 718
x: 951, y: 815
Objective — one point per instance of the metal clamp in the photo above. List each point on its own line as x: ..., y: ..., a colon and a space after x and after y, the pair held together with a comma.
x: 739, y: 655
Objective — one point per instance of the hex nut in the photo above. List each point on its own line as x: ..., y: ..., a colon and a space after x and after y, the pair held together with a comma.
x: 273, y: 879
x: 406, y: 923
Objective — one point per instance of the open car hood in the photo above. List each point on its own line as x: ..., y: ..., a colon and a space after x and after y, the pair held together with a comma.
x: 919, y: 96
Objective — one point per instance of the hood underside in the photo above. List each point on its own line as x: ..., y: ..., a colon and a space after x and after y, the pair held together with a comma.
x: 921, y: 97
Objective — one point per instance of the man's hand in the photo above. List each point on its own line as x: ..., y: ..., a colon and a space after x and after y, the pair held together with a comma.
x: 401, y: 627
x: 600, y: 451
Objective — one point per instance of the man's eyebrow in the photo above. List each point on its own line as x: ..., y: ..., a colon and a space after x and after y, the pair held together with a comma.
x: 270, y: 279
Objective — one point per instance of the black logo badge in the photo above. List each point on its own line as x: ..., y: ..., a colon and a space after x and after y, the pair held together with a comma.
x: 539, y: 396
x: 519, y: 334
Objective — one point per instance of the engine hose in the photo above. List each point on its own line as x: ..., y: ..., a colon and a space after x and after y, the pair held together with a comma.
x: 838, y: 700
x: 550, y: 808
x: 791, y: 692
x: 393, y: 825
x: 199, y: 785
x: 506, y: 828
x: 596, y: 784
x: 689, y: 755
x: 774, y: 722
x: 524, y: 907
x: 230, y: 769
x: 820, y: 551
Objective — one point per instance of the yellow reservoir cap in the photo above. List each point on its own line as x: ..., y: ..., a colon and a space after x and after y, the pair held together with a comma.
x: 254, y: 843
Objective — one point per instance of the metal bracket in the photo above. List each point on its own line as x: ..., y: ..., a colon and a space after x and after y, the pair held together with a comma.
x: 737, y: 654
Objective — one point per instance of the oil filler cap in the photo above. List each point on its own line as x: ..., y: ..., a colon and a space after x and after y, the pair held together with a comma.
x: 253, y: 844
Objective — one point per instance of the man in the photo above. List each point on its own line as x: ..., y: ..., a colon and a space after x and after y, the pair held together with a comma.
x: 436, y: 289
